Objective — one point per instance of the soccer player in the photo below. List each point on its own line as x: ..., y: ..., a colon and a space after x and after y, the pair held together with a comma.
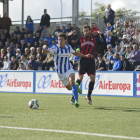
x: 86, y: 65
x: 63, y: 66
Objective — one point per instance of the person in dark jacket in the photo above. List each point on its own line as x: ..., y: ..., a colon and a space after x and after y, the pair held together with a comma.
x: 45, y: 20
x: 109, y: 15
x: 7, y: 35
x: 23, y: 33
x: 33, y: 63
x: 109, y: 27
x: 14, y: 64
x: 30, y: 24
x: 100, y: 63
x: 125, y: 64
x: 23, y: 46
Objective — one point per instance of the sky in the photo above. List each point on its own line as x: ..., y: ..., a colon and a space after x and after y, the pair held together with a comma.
x: 34, y: 8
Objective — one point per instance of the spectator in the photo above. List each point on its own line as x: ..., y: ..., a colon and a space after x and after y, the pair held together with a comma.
x: 77, y: 30
x: 19, y: 38
x: 117, y: 31
x: 109, y: 15
x: 117, y: 62
x: 24, y: 61
x: 33, y: 63
x: 6, y: 22
x: 63, y: 27
x: 53, y: 43
x: 41, y: 43
x: 27, y: 53
x: 76, y: 60
x: 124, y: 29
x: 131, y: 29
x: 14, y: 64
x: 137, y: 36
x: 48, y: 62
x: 74, y: 37
x: 36, y: 44
x: 23, y: 33
x: 1, y: 32
x: 125, y: 64
x: 30, y: 24
x: 118, y: 49
x: 124, y: 43
x: 127, y: 52
x: 6, y: 46
x: 109, y: 27
x: 7, y: 35
x: 9, y: 54
x: 56, y: 37
x: 6, y: 63
x: 46, y: 43
x: 17, y: 31
x: 134, y: 57
x: 2, y: 54
x: 15, y: 39
x: 27, y: 31
x: 30, y: 39
x: 132, y: 42
x: 18, y: 54
x: 21, y: 66
x: 69, y: 29
x: 94, y: 28
x: 1, y: 45
x: 42, y: 37
x: 33, y: 53
x: 110, y: 39
x: 45, y: 31
x: 23, y: 46
x: 49, y: 38
x: 3, y: 39
x: 107, y: 55
x: 17, y: 47
x: 37, y: 37
x: 58, y: 30
x: 12, y: 46
x: 29, y: 45
x: 45, y: 20
x: 100, y: 63
x: 38, y: 30
x: 39, y: 55
x: 26, y: 38
x: 29, y: 67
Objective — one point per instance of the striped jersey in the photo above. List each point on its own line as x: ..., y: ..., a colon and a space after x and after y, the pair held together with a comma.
x: 61, y: 58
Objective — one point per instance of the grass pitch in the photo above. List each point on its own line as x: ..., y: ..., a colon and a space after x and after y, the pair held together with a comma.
x: 108, y: 115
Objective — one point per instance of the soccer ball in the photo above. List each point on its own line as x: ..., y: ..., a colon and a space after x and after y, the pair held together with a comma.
x: 33, y: 104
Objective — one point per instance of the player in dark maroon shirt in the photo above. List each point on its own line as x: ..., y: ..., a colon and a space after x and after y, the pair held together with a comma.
x: 86, y: 65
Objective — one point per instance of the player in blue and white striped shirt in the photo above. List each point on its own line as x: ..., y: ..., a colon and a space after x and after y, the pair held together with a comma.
x: 63, y: 66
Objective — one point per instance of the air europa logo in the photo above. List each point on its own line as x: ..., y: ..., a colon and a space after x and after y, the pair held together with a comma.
x: 13, y: 82
x: 45, y: 82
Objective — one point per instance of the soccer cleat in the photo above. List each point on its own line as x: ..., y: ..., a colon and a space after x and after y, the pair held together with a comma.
x: 79, y: 90
x: 72, y: 101
x: 89, y: 100
x: 76, y: 104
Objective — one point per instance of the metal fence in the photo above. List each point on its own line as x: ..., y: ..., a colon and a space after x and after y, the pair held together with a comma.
x: 97, y: 19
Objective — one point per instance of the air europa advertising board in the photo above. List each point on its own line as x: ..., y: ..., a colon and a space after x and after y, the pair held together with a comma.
x: 16, y: 81
x: 118, y: 84
x: 50, y: 83
x: 138, y: 84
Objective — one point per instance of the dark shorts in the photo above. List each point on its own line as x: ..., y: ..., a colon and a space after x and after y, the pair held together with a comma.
x: 87, y: 66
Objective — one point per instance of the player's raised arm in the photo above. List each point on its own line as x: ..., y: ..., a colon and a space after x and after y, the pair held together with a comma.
x: 44, y: 50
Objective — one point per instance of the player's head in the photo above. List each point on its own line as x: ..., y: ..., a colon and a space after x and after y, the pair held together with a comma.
x: 61, y: 39
x: 86, y: 30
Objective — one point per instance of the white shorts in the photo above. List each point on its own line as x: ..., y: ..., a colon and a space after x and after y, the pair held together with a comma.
x: 64, y: 77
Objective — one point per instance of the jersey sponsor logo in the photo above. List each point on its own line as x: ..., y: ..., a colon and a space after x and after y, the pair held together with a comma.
x: 13, y: 82
x: 87, y: 43
x: 46, y: 82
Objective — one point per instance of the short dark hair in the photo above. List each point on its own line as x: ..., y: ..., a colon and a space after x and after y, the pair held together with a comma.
x: 86, y: 26
x: 99, y: 55
x: 131, y: 20
x: 62, y: 35
x: 123, y: 55
x: 93, y: 23
x: 13, y: 57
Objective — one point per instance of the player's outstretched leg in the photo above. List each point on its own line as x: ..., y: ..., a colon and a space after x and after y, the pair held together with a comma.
x: 78, y: 82
x: 90, y: 89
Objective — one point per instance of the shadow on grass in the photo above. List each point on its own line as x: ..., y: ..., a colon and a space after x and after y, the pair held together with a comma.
x: 119, y: 108
x: 6, y: 116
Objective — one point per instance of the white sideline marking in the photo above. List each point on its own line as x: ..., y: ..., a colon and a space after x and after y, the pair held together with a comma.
x: 71, y: 132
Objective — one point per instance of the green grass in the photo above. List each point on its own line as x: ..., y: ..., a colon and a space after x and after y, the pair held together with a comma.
x: 107, y: 115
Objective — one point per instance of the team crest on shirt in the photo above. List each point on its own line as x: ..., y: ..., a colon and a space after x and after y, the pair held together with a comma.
x: 87, y: 43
